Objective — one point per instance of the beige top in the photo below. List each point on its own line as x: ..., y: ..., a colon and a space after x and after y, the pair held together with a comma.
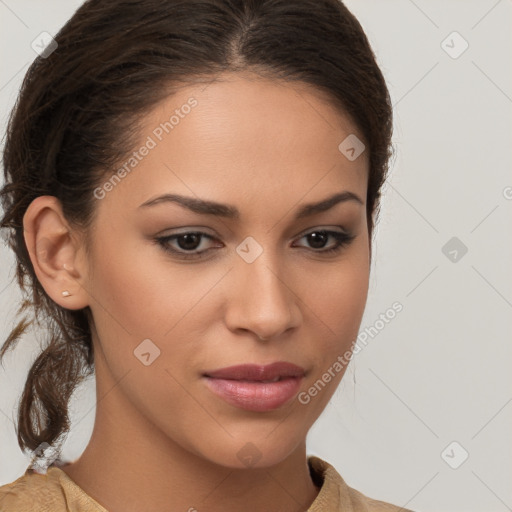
x: 56, y: 492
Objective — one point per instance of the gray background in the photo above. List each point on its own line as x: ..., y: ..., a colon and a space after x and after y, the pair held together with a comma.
x: 438, y: 372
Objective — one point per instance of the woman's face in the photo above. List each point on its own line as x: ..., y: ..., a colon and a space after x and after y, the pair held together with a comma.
x: 170, y: 311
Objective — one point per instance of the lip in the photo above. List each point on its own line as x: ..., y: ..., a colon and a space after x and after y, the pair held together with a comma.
x: 257, y: 373
x: 248, y: 386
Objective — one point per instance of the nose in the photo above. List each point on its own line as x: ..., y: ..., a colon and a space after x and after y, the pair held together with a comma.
x: 261, y: 299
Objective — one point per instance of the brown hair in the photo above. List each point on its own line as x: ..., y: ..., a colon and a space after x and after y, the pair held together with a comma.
x: 75, y: 115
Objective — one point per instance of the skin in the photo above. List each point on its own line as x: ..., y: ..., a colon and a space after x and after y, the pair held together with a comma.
x: 161, y: 439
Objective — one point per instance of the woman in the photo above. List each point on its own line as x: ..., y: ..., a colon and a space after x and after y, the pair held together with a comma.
x: 191, y: 190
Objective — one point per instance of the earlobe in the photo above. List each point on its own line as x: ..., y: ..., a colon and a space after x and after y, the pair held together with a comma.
x: 53, y: 248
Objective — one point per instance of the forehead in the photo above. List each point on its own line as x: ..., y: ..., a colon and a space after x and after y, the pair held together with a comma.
x: 242, y: 136
x: 248, y: 109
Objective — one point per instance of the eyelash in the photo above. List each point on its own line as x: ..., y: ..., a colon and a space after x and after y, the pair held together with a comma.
x: 342, y: 240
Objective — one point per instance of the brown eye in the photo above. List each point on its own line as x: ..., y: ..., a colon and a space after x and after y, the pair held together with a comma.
x: 319, y: 238
x: 185, y: 245
x: 189, y: 241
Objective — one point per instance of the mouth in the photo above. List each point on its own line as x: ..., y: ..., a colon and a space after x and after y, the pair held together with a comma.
x: 276, y: 379
x: 254, y: 387
x: 258, y: 373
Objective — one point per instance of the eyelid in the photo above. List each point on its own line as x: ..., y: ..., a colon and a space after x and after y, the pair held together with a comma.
x: 199, y: 229
x: 186, y: 230
x: 339, y: 229
x: 342, y: 239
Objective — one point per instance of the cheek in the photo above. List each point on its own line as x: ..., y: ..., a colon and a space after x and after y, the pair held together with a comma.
x: 139, y: 294
x: 336, y: 301
x: 124, y: 301
x: 344, y: 310
x: 136, y: 289
x: 337, y: 294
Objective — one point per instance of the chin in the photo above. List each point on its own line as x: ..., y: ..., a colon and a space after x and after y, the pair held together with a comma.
x: 259, y: 450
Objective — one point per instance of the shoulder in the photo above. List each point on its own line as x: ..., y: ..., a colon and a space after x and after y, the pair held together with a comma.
x: 32, y: 491
x: 336, y: 496
x: 50, y: 492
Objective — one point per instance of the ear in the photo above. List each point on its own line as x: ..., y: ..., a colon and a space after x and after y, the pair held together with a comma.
x: 56, y: 253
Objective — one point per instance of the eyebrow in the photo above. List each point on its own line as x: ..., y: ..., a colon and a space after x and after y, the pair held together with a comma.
x: 204, y: 207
